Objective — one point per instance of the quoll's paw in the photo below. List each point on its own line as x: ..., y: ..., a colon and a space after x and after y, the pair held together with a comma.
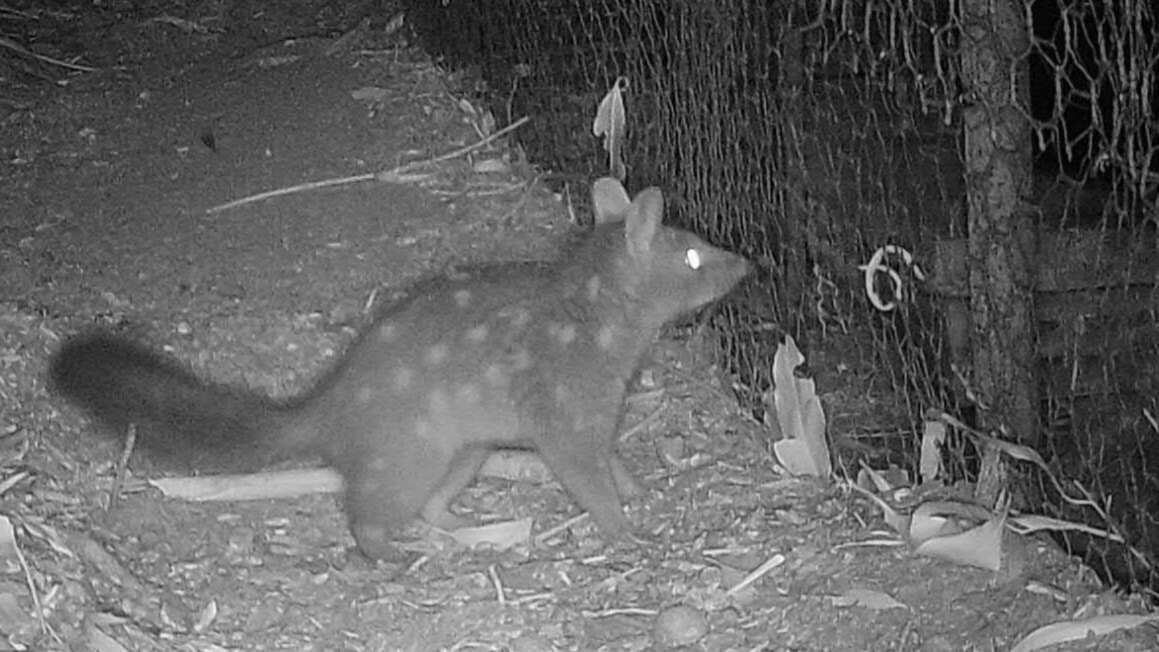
x: 358, y: 558
x: 633, y: 543
x: 627, y: 485
x: 629, y: 537
x: 376, y: 544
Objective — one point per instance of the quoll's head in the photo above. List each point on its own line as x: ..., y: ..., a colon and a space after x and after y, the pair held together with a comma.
x: 669, y: 270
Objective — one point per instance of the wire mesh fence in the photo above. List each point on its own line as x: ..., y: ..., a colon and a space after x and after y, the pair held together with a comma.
x: 809, y: 135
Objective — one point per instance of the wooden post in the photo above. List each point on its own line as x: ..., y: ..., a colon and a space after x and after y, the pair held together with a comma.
x: 995, y: 79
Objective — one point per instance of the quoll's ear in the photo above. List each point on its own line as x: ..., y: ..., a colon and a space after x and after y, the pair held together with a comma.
x: 609, y: 200
x: 644, y: 217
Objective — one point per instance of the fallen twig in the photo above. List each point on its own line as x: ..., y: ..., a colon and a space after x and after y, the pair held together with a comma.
x: 122, y: 466
x: 20, y: 49
x: 394, y: 175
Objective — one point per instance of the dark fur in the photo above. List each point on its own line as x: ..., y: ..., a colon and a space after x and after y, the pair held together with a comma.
x: 509, y: 356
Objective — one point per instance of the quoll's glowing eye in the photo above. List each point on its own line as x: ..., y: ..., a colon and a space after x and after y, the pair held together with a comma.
x: 692, y: 259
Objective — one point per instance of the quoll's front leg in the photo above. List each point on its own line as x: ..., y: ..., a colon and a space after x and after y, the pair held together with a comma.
x: 626, y: 483
x: 585, y: 465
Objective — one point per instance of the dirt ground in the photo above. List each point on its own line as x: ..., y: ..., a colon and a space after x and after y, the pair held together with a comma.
x: 107, y: 178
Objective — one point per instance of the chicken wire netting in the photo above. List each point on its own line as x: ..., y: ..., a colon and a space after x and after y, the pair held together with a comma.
x: 809, y: 135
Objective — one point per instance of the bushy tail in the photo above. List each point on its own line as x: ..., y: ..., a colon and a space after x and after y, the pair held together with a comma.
x: 179, y: 417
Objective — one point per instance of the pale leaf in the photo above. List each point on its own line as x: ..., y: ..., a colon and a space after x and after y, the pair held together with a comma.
x: 1017, y: 451
x: 99, y: 641
x: 799, y: 411
x: 253, y: 486
x: 1074, y: 630
x: 610, y: 123
x: 923, y: 527
x: 936, y: 518
x: 933, y: 438
x: 498, y: 536
x: 12, y: 615
x: 795, y: 456
x: 8, y: 549
x: 980, y: 547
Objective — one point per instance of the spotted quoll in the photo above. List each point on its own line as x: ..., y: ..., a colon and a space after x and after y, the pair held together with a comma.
x: 513, y: 355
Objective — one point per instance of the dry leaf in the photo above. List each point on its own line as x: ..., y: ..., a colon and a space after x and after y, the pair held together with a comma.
x: 610, y: 123
x: 12, y: 617
x: 923, y: 527
x: 933, y: 438
x: 9, y: 553
x: 800, y: 416
x: 943, y: 517
x: 498, y: 536
x: 1074, y: 630
x: 252, y: 486
x: 980, y: 547
x: 99, y: 641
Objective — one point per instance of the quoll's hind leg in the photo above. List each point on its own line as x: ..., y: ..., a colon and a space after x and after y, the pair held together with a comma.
x: 385, y: 493
x: 464, y: 467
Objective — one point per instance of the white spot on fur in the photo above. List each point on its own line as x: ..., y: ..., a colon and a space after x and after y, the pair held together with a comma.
x: 521, y: 360
x: 495, y: 375
x: 437, y: 354
x: 605, y: 338
x: 478, y: 333
x: 468, y: 393
x: 519, y: 317
x: 439, y: 405
x: 387, y: 332
x: 565, y: 334
x: 593, y: 286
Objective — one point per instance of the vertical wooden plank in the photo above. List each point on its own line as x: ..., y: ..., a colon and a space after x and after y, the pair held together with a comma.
x: 997, y: 151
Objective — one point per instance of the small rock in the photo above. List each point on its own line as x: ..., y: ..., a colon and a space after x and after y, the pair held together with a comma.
x: 680, y: 625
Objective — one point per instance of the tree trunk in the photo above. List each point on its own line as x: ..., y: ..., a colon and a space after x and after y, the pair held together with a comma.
x: 1001, y: 238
